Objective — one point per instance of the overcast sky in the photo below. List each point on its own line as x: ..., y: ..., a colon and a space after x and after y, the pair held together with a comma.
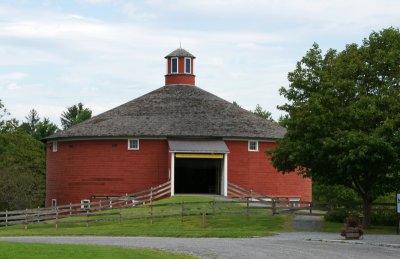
x: 106, y: 52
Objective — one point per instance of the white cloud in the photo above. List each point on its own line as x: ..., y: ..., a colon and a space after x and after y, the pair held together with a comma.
x: 12, y: 76
x: 244, y: 49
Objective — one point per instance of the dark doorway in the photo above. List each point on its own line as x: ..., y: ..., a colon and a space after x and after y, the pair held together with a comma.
x: 198, y: 175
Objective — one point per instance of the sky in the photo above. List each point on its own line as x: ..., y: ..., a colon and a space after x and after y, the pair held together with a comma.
x: 103, y: 53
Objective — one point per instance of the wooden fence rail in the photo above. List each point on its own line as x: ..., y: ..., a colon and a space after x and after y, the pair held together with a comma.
x: 180, y: 210
x: 247, y: 203
x: 39, y: 215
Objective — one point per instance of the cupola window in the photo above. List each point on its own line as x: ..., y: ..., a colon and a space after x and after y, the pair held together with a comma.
x: 174, y: 65
x: 188, y: 66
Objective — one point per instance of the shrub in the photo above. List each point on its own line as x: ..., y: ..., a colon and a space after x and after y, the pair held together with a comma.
x: 380, y: 216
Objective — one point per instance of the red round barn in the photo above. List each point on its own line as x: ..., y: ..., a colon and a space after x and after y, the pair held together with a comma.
x: 178, y: 132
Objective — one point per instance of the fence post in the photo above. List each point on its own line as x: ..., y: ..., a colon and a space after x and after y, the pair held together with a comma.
x: 247, y: 207
x: 273, y: 206
x: 203, y: 219
x: 56, y: 218
x: 126, y: 199
x: 38, y: 215
x: 213, y: 208
x: 120, y: 215
x: 26, y: 218
x: 100, y: 205
x: 182, y: 209
x: 311, y: 207
x: 110, y: 204
x: 6, y: 219
x: 70, y: 208
x: 87, y: 218
x: 151, y: 213
x: 151, y: 194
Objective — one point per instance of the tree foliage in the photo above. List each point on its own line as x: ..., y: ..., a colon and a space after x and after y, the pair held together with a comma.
x: 259, y: 111
x: 22, y: 165
x: 7, y: 125
x: 343, y: 117
x: 22, y: 171
x: 263, y: 113
x: 236, y: 104
x: 38, y: 128
x: 75, y: 114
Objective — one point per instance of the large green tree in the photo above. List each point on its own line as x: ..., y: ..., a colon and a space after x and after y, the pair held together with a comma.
x: 22, y: 166
x: 22, y: 171
x: 343, y: 117
x: 75, y: 114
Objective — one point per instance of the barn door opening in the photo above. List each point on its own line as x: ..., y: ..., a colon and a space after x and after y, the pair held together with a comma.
x: 198, y: 175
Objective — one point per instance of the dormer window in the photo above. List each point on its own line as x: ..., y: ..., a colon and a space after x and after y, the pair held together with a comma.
x: 188, y: 66
x: 174, y: 65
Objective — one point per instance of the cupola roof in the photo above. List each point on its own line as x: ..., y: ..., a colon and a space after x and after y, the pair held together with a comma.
x: 180, y: 53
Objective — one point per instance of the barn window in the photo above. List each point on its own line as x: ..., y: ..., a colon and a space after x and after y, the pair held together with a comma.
x: 55, y: 146
x: 133, y: 144
x: 53, y: 203
x: 174, y: 65
x: 85, y: 204
x: 187, y: 66
x: 253, y: 145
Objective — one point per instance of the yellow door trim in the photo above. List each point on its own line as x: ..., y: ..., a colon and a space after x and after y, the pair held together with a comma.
x: 213, y: 156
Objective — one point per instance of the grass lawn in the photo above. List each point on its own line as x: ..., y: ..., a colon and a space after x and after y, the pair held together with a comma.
x: 192, y: 226
x: 37, y: 250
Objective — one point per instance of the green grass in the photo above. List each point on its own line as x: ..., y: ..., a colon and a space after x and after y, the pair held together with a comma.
x: 192, y: 226
x: 335, y: 227
x: 17, y: 250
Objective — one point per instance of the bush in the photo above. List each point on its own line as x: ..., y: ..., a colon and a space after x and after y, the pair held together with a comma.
x: 333, y: 193
x: 380, y: 216
x: 341, y: 215
x: 384, y: 217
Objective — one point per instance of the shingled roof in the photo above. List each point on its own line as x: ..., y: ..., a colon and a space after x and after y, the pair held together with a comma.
x: 180, y: 53
x: 176, y: 111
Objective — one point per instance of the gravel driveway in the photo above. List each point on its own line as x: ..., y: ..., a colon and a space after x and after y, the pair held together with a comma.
x: 285, y: 245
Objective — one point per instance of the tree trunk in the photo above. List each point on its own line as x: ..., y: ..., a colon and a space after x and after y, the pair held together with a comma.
x: 367, y: 208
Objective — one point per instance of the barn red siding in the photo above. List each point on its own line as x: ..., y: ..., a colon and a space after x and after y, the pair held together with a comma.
x: 179, y: 79
x: 80, y: 169
x: 254, y: 170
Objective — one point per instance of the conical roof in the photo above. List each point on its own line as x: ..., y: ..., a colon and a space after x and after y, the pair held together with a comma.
x: 176, y: 111
x: 180, y: 53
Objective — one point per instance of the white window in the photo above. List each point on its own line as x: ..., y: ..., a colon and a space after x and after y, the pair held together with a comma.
x: 253, y: 145
x: 133, y: 144
x: 174, y: 65
x: 85, y: 204
x: 53, y: 203
x: 188, y: 66
x: 55, y: 146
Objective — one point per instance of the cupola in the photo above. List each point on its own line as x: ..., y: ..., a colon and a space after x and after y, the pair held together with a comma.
x: 180, y: 68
